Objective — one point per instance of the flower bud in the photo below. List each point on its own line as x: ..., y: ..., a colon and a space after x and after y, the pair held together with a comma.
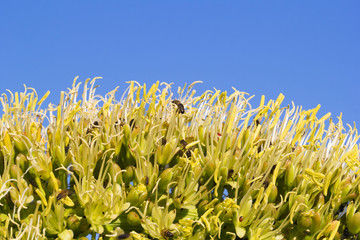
x: 133, y: 218
x: 115, y: 171
x: 128, y: 175
x: 316, y: 222
x: 269, y: 209
x: 137, y: 195
x: 15, y: 171
x: 290, y: 175
x: 224, y: 174
x: 210, y: 168
x: 66, y: 235
x: 23, y: 161
x: 320, y: 200
x: 353, y: 224
x: 304, y: 220
x: 165, y: 178
x: 73, y: 222
x: 273, y: 194
x: 165, y: 156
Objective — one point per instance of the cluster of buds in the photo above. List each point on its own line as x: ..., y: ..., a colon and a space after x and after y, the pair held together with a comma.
x: 155, y: 166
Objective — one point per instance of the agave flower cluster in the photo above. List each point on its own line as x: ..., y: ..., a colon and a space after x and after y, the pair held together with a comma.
x: 152, y: 165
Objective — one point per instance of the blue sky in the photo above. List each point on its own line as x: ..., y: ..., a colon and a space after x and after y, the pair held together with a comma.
x: 307, y: 50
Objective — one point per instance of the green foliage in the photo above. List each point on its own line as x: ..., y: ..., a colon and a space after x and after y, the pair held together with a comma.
x: 150, y: 166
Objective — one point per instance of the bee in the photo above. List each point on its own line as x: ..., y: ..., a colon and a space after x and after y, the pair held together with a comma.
x: 180, y: 153
x: 188, y: 153
x: 183, y: 143
x: 167, y: 234
x: 146, y: 180
x: 180, y: 106
x: 123, y: 236
x: 63, y: 194
x: 230, y: 173
x: 266, y: 184
x: 67, y: 149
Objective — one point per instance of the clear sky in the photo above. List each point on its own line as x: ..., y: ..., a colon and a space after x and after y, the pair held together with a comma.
x: 307, y: 50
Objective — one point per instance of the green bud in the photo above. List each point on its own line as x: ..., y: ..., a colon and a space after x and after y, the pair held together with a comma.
x: 320, y: 200
x: 210, y: 168
x: 137, y: 195
x: 73, y: 223
x: 316, y: 222
x: 128, y: 175
x: 345, y: 189
x: 115, y: 171
x: 66, y: 235
x: 165, y: 156
x: 290, y: 175
x: 165, y: 178
x: 133, y: 218
x: 304, y: 220
x: 23, y: 161
x: 15, y: 171
x: 269, y: 209
x: 353, y: 224
x: 177, y: 203
x: 273, y: 194
x: 50, y: 187
x: 224, y: 174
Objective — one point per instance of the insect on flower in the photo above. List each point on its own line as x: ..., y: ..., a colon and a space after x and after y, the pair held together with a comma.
x: 123, y: 236
x: 166, y: 234
x: 180, y: 106
x: 230, y: 173
x: 63, y: 194
x: 183, y: 143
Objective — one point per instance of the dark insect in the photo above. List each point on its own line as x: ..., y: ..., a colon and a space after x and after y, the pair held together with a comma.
x: 180, y: 106
x: 146, y: 180
x: 257, y: 122
x: 67, y: 149
x: 132, y: 123
x: 166, y: 233
x: 230, y: 173
x: 188, y: 153
x: 241, y: 218
x: 266, y: 184
x: 63, y: 194
x: 96, y: 123
x: 183, y: 143
x: 123, y: 236
x: 163, y: 141
x: 180, y: 153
